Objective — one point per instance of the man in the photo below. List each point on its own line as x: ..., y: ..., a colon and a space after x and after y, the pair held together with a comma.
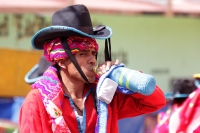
x: 64, y: 99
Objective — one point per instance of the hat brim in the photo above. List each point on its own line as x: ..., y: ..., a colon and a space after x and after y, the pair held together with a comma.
x: 171, y: 96
x: 32, y: 76
x: 168, y: 96
x: 52, y: 32
x: 181, y: 95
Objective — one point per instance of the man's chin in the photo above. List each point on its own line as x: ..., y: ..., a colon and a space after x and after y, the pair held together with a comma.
x: 91, y: 80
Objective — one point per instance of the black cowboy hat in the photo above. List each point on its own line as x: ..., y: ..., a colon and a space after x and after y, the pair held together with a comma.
x: 182, y: 88
x: 73, y: 21
x: 69, y: 21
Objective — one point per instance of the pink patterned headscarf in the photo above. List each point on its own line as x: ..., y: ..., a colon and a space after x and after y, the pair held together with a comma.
x: 53, y: 50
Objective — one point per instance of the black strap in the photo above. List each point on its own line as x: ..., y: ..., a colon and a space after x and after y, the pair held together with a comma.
x: 71, y: 57
x: 69, y: 53
x: 96, y: 55
x: 107, y: 50
x: 94, y: 95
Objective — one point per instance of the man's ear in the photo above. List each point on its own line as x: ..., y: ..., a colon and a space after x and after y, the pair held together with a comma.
x: 62, y: 63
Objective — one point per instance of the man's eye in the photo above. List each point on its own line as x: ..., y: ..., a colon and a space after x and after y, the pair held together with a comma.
x: 94, y: 53
x: 82, y: 53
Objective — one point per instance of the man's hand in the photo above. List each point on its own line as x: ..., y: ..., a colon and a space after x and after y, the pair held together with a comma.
x: 104, y: 67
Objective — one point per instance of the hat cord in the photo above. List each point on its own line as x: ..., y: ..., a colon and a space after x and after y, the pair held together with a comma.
x: 69, y: 53
x: 107, y: 50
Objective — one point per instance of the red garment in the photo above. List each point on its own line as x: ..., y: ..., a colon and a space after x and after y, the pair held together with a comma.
x: 162, y: 125
x: 186, y: 119
x: 163, y: 120
x: 35, y: 119
x: 197, y: 130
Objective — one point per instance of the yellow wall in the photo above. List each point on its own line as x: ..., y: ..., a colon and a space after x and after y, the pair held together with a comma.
x: 14, y: 66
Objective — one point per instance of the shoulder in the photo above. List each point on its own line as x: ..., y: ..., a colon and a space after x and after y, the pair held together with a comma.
x: 33, y: 95
x: 33, y: 103
x: 33, y: 114
x: 33, y: 99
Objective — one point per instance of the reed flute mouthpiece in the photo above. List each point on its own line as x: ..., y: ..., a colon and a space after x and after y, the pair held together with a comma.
x: 97, y: 70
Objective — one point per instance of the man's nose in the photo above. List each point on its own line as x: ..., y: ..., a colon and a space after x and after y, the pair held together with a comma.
x: 93, y: 60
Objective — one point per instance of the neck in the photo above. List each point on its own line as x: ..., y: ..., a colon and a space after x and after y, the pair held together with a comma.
x: 74, y: 91
x: 72, y: 87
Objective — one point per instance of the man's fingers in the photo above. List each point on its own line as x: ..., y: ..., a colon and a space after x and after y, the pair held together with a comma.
x: 117, y: 62
x: 108, y: 65
x: 104, y: 67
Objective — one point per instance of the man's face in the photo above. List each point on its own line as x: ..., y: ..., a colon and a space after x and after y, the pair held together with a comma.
x: 86, y: 60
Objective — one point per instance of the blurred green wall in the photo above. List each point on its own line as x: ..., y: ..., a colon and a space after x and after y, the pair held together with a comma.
x: 167, y: 48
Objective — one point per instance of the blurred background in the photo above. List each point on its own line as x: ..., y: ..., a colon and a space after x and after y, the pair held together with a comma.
x: 159, y: 37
